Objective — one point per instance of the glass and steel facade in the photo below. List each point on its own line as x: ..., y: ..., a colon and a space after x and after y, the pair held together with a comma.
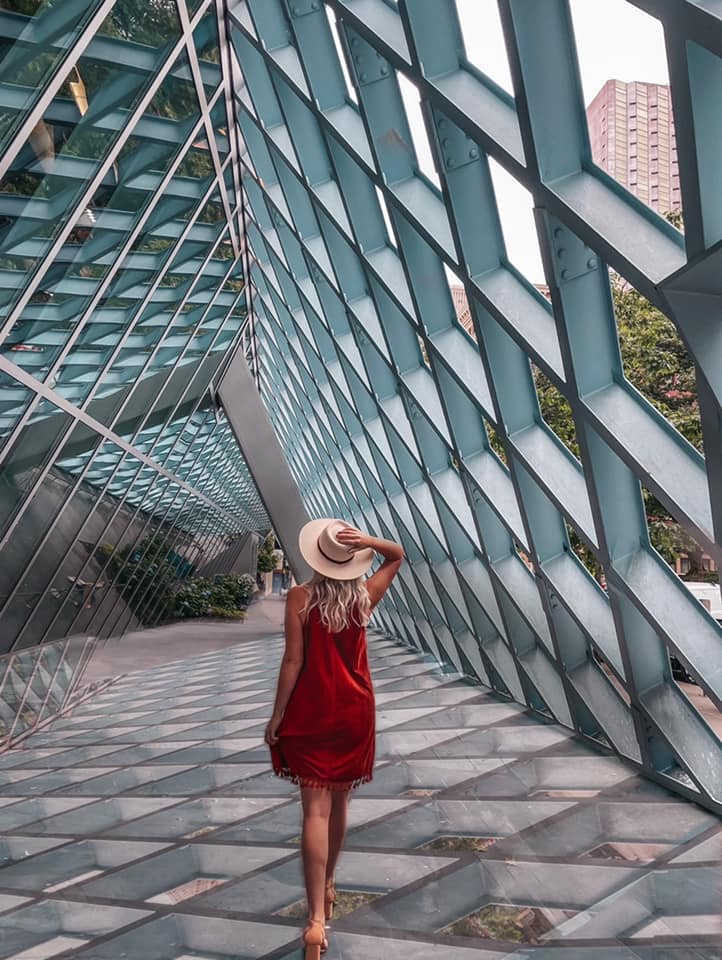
x: 122, y: 295
x: 394, y: 416
x: 154, y: 156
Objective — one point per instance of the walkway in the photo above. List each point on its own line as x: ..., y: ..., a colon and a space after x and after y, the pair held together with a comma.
x: 148, y: 826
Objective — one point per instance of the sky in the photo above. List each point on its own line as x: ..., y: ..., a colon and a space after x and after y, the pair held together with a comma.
x: 615, y: 40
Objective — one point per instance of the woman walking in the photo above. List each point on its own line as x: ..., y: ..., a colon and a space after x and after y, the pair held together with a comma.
x: 322, y: 733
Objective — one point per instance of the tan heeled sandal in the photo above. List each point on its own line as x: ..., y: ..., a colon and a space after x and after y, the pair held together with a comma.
x: 329, y: 899
x: 314, y: 940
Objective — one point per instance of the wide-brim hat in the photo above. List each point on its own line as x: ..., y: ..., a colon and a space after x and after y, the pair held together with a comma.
x: 327, y: 556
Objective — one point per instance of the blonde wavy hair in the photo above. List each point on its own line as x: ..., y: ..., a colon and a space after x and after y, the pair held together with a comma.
x: 336, y: 599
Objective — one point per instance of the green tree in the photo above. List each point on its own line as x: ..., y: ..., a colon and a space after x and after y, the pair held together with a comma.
x: 657, y: 362
x: 151, y: 22
x: 266, y: 559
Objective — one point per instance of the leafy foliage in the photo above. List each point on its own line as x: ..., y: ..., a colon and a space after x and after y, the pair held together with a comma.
x: 147, y: 575
x: 224, y: 596
x: 657, y: 362
x: 266, y: 559
x: 143, y: 21
x: 144, y: 571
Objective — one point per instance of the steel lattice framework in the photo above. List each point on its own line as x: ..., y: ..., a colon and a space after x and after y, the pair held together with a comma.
x: 122, y: 295
x: 385, y: 405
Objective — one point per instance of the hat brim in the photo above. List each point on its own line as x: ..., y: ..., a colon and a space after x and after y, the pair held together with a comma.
x: 357, y: 566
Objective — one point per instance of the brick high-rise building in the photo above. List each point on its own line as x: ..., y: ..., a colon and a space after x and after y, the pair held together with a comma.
x: 632, y: 134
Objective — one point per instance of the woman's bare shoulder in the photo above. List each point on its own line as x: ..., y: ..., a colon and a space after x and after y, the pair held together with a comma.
x: 298, y: 594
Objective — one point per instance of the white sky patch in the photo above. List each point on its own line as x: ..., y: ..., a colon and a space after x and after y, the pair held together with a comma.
x: 516, y: 212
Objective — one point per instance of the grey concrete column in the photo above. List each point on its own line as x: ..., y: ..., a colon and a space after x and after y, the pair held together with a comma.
x: 267, y: 464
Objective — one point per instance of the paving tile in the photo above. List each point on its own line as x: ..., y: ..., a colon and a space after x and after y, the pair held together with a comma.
x: 49, y: 871
x: 421, y: 777
x: 182, y: 865
x: 150, y: 821
x: 36, y: 929
x: 190, y: 819
x: 179, y: 937
x: 436, y: 818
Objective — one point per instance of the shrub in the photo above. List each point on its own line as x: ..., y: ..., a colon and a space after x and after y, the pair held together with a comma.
x: 266, y: 558
x: 144, y: 575
x: 227, y: 614
x: 224, y: 596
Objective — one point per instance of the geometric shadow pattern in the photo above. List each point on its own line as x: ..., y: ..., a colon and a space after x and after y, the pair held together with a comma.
x: 391, y: 414
x: 122, y: 295
x: 148, y: 825
x: 38, y: 683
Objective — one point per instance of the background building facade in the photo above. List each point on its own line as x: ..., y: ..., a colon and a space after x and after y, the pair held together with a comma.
x: 632, y: 136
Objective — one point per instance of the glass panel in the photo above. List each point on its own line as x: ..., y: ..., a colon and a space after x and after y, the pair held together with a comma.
x: 14, y: 401
x: 32, y: 48
x: 151, y: 24
x: 28, y: 455
x: 49, y: 522
x: 205, y: 37
x: 61, y: 316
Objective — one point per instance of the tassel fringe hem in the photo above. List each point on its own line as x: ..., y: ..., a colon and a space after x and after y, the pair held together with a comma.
x: 296, y: 778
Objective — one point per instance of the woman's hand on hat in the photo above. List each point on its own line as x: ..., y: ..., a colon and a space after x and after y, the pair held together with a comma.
x: 353, y: 539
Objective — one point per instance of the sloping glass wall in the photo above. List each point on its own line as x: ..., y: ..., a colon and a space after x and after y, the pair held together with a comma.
x: 122, y: 293
x: 371, y: 171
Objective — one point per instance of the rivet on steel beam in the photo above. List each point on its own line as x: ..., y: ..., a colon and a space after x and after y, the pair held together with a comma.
x: 384, y: 71
x: 364, y: 77
x: 592, y: 263
x: 561, y: 253
x: 473, y: 153
x: 565, y: 274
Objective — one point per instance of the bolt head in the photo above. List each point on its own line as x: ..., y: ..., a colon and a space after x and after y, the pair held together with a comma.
x: 592, y: 263
x: 473, y: 153
x: 561, y: 253
x: 384, y: 71
x: 364, y: 77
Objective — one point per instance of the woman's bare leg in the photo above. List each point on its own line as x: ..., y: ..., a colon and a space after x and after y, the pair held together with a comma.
x: 316, y: 804
x: 336, y: 829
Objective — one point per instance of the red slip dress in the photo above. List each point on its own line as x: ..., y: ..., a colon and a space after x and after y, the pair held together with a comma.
x: 327, y: 736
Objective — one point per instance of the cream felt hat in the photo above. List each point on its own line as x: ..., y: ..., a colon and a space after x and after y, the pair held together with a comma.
x: 323, y: 552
